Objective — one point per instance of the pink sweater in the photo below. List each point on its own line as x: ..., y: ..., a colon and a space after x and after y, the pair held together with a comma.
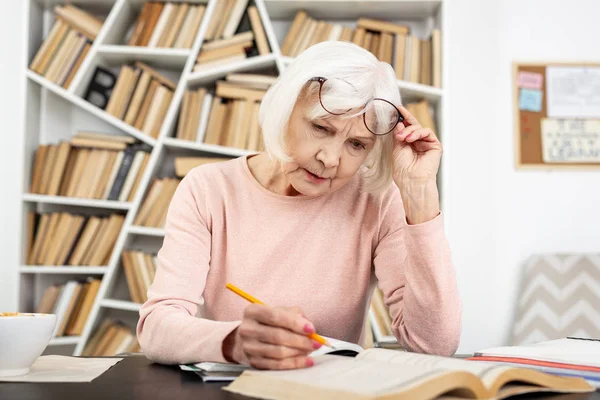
x: 322, y: 254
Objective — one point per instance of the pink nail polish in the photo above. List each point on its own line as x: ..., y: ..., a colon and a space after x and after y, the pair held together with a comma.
x: 310, y: 362
x: 316, y: 345
x: 308, y: 328
x: 407, y: 136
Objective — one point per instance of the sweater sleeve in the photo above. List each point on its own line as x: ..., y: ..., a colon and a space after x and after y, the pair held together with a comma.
x: 415, y: 273
x: 168, y: 330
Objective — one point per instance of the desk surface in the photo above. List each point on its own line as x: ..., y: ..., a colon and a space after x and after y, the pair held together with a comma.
x: 137, y: 378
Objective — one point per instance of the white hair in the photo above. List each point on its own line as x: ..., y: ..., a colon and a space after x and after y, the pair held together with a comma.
x: 369, y: 78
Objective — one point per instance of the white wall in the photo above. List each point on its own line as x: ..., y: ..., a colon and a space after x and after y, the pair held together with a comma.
x: 11, y: 126
x: 495, y: 216
x: 500, y: 215
x: 468, y: 139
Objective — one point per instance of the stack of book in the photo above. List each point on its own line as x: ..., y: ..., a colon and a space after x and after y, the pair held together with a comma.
x: 183, y: 165
x: 203, y: 113
x: 71, y: 302
x: 141, y: 97
x: 60, y: 238
x: 67, y: 45
x: 161, y: 24
x: 153, y: 211
x: 139, y: 268
x: 111, y: 338
x: 91, y: 165
x: 576, y: 356
x: 415, y: 59
x: 223, y: 45
x: 303, y: 33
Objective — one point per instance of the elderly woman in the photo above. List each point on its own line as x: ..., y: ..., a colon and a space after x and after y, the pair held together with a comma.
x: 344, y: 198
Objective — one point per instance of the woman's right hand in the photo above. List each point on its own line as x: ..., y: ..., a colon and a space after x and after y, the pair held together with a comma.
x: 271, y: 338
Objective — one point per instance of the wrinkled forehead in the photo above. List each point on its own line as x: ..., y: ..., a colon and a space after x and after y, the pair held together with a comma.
x: 347, y: 124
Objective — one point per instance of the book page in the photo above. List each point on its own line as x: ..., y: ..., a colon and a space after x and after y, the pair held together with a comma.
x: 339, y: 347
x: 488, y: 372
x: 347, y: 374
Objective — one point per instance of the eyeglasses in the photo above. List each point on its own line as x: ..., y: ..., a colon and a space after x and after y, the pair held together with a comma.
x: 380, y: 116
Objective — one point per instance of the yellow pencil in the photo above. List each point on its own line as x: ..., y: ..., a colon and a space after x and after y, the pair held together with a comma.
x: 253, y: 299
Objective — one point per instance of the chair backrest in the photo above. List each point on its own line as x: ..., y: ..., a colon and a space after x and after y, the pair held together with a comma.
x: 560, y: 297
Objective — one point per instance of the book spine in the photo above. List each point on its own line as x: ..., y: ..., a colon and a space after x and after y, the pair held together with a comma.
x: 122, y: 174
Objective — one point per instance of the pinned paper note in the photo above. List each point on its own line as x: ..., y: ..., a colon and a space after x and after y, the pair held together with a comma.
x: 570, y: 141
x: 530, y: 100
x: 529, y: 80
x: 573, y: 92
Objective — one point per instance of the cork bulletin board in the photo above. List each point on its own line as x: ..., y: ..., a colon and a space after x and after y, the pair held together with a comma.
x: 557, y: 115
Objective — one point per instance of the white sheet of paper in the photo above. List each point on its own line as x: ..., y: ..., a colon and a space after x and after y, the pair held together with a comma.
x: 56, y: 368
x: 573, y: 92
x: 571, y: 140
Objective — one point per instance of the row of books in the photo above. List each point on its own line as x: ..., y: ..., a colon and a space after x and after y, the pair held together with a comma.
x: 61, y: 238
x: 67, y: 44
x: 226, y: 19
x: 165, y: 24
x: 233, y: 113
x: 234, y: 123
x: 141, y: 97
x: 415, y: 59
x: 419, y: 60
x: 223, y: 45
x: 153, y: 211
x: 71, y: 302
x: 111, y: 338
x: 139, y: 268
x: 192, y: 106
x: 91, y: 165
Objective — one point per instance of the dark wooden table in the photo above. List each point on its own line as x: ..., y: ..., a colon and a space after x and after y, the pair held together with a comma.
x: 137, y: 378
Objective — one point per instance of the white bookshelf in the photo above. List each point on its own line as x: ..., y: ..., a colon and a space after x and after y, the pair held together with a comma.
x: 62, y: 269
x: 54, y: 114
x: 74, y: 201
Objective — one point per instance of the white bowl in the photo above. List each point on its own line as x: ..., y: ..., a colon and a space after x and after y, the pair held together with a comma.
x: 23, y: 339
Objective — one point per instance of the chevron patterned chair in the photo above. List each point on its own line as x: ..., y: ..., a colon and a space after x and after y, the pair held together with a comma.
x: 560, y: 297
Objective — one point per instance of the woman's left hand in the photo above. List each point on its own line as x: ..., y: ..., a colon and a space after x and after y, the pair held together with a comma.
x: 417, y: 151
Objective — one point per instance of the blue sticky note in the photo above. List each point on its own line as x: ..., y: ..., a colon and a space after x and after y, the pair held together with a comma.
x: 530, y: 100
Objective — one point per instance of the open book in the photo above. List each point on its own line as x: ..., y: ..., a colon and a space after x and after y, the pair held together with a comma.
x: 221, y: 372
x: 389, y: 374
